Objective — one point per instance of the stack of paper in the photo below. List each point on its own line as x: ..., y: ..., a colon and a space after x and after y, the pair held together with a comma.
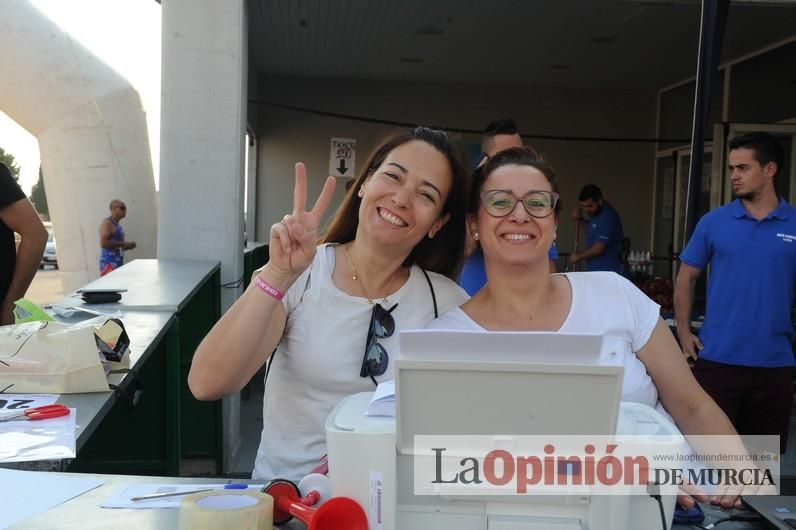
x: 22, y: 440
x: 383, y: 401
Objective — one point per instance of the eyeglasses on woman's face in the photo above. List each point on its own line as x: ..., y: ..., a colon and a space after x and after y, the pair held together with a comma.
x: 376, y: 359
x: 538, y: 203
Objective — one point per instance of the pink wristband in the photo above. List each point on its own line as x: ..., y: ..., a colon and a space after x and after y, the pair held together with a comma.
x: 268, y: 289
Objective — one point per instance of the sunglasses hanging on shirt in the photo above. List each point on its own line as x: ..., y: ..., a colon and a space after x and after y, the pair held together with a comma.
x: 376, y: 359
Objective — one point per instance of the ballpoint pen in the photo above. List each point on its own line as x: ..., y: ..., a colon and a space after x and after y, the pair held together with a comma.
x: 234, y: 486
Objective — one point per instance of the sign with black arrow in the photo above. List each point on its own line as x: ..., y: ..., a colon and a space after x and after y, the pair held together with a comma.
x: 342, y: 157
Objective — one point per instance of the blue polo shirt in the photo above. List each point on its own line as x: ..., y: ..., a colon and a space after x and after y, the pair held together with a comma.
x: 606, y: 228
x: 474, y: 272
x: 750, y: 285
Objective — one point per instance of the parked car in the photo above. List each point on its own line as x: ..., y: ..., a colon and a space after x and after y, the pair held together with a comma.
x: 49, y: 257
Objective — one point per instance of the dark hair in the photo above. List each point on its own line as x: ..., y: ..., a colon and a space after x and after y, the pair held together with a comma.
x: 590, y: 192
x: 445, y: 252
x: 519, y: 156
x: 504, y: 126
x: 494, y: 128
x: 766, y: 148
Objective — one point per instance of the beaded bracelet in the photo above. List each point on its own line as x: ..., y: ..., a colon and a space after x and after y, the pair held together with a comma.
x: 268, y: 289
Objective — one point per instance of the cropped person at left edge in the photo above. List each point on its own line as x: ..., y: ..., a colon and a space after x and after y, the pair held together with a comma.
x: 385, y: 264
x: 18, y: 265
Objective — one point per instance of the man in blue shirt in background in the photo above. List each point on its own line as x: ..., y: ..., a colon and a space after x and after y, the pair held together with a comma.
x: 745, y: 346
x: 604, y: 233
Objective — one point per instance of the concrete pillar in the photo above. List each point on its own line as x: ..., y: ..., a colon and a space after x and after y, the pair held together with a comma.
x: 202, y: 124
x: 92, y: 136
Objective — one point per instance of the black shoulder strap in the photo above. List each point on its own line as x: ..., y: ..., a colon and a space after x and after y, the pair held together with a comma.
x: 433, y: 296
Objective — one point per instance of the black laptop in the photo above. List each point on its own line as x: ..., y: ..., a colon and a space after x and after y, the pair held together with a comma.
x: 778, y: 510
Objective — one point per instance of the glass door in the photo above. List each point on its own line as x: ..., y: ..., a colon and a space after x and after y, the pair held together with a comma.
x: 680, y: 237
x: 663, y: 230
x: 671, y: 190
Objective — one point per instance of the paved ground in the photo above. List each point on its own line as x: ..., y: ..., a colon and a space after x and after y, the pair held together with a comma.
x: 46, y: 287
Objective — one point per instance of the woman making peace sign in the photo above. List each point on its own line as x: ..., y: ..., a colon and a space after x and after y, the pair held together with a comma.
x: 333, y: 311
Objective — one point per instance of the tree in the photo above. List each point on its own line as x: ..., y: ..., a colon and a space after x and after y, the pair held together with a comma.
x: 8, y: 160
x: 38, y: 197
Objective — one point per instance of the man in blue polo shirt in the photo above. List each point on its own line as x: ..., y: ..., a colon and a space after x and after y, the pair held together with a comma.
x: 604, y: 233
x: 745, y: 353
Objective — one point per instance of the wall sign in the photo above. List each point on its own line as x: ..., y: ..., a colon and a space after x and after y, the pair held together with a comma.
x: 343, y: 157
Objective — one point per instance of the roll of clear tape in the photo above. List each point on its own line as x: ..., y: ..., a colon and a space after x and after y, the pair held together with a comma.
x: 222, y: 509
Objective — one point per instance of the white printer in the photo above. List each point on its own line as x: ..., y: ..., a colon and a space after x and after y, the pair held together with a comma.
x: 371, y: 458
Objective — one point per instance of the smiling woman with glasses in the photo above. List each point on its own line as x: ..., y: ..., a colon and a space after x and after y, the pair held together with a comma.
x: 334, y: 311
x: 513, y: 213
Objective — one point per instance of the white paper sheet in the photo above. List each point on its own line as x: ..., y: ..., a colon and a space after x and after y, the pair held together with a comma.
x: 16, y: 402
x: 121, y: 497
x: 27, y: 493
x: 383, y: 401
x: 67, y: 311
x: 50, y: 439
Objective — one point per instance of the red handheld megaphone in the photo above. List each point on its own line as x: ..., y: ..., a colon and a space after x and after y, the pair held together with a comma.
x: 337, y: 513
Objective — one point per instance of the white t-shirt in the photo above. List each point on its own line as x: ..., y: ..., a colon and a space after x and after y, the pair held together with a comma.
x: 318, y: 360
x: 607, y: 304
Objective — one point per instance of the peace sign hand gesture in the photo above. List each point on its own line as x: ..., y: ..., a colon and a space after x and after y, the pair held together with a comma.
x: 294, y: 238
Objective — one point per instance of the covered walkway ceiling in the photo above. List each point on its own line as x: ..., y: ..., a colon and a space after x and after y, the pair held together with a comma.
x: 643, y: 44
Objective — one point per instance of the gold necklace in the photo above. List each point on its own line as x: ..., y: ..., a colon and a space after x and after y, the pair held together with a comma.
x: 356, y: 278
